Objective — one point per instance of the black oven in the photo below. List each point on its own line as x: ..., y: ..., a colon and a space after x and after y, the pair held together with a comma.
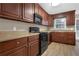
x: 43, y: 39
x: 37, y: 19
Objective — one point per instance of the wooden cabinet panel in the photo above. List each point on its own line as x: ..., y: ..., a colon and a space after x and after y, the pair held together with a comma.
x: 19, y: 51
x: 0, y: 8
x: 70, y: 37
x: 34, y: 49
x: 49, y: 38
x: 63, y: 37
x: 7, y: 45
x: 21, y: 41
x: 33, y: 45
x: 50, y: 21
x: 12, y: 44
x: 44, y: 16
x: 28, y: 11
x: 12, y: 10
x: 33, y: 38
x: 36, y: 8
x: 45, y: 19
x: 71, y: 18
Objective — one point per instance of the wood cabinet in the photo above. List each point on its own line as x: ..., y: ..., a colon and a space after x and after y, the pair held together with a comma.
x: 70, y: 18
x: 36, y: 8
x: 0, y: 9
x: 45, y: 19
x: 19, y: 51
x: 50, y: 21
x: 25, y: 46
x: 28, y: 11
x: 70, y: 38
x: 12, y: 11
x: 14, y: 47
x: 63, y: 37
x: 33, y: 45
x: 34, y: 49
x: 49, y: 38
x: 44, y: 15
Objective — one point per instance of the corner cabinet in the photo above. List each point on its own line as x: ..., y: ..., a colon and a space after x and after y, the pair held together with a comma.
x: 12, y: 10
x: 63, y: 37
x: 28, y: 11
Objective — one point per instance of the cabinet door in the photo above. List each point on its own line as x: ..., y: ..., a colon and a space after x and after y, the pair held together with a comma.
x: 70, y: 38
x: 0, y: 8
x: 49, y: 38
x: 28, y: 11
x: 50, y: 21
x: 36, y: 8
x: 34, y: 49
x: 12, y: 10
x: 70, y: 18
x: 19, y: 52
x: 45, y: 20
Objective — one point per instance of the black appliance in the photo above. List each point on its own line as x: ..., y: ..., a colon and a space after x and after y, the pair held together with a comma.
x: 43, y: 39
x: 37, y: 19
x: 43, y: 42
x: 34, y: 29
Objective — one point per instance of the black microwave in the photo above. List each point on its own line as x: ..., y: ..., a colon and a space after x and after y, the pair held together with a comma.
x: 37, y: 19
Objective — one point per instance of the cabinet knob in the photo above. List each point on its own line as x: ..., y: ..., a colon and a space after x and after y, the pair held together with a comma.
x: 18, y: 42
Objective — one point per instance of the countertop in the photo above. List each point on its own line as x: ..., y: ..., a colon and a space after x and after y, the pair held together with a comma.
x: 9, y: 35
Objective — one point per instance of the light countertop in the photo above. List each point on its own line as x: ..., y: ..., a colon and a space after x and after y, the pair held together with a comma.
x: 9, y: 35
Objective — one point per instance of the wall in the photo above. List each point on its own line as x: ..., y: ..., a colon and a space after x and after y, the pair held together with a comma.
x: 9, y: 25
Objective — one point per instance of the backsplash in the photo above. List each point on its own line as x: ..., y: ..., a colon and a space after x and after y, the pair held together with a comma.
x: 9, y: 25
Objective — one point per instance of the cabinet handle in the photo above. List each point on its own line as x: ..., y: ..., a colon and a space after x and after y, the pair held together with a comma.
x: 18, y: 42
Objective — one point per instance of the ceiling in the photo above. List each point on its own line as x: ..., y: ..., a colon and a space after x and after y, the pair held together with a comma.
x: 63, y: 7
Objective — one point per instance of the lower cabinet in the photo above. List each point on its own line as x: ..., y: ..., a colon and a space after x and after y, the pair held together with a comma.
x: 63, y: 37
x: 19, y: 51
x: 49, y: 38
x: 33, y: 45
x: 25, y: 46
x: 33, y: 49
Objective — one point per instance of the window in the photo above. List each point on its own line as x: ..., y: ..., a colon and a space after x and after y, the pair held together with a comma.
x: 60, y: 23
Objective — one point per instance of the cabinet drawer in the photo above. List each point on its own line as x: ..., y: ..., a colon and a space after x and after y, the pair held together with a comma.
x: 21, y: 41
x: 8, y: 45
x: 33, y: 38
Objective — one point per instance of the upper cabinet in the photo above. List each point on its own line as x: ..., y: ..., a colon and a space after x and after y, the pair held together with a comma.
x: 0, y: 9
x: 70, y: 18
x: 44, y: 15
x: 36, y: 8
x: 12, y: 11
x: 45, y: 19
x: 50, y: 20
x: 28, y: 11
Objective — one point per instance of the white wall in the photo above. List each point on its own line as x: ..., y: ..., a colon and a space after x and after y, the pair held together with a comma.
x: 9, y: 25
